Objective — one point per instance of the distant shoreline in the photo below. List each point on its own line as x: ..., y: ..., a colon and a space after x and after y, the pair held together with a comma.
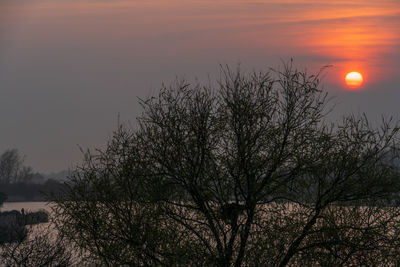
x: 27, y: 206
x: 20, y: 201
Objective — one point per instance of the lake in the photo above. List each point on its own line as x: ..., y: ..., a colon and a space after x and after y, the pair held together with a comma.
x: 27, y: 206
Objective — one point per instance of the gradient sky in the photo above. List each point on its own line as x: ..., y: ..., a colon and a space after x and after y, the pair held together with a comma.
x: 69, y: 67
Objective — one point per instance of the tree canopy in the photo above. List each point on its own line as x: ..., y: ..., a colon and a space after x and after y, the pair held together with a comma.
x: 244, y: 173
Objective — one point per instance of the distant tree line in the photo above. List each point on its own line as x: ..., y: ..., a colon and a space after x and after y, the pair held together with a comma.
x: 3, y: 197
x: 19, y: 182
x: 12, y: 168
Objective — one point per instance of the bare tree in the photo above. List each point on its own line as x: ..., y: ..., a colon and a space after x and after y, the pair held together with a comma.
x: 245, y: 174
x: 12, y: 169
x: 3, y: 197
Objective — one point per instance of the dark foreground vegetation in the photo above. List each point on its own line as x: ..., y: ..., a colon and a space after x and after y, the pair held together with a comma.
x: 12, y: 224
x: 246, y: 172
x: 26, y: 239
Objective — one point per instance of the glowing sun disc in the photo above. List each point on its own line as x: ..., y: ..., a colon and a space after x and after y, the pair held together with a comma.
x: 354, y: 79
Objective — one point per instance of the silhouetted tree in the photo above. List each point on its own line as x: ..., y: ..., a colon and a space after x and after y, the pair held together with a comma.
x: 245, y: 174
x: 12, y: 169
x: 3, y: 197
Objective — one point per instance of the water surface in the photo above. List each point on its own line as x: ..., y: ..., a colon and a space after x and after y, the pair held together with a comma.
x: 27, y: 206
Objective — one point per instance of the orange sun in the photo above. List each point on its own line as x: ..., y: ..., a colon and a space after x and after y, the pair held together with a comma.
x: 354, y: 79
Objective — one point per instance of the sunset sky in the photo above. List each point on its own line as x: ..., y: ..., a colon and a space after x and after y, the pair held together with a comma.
x: 69, y: 67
